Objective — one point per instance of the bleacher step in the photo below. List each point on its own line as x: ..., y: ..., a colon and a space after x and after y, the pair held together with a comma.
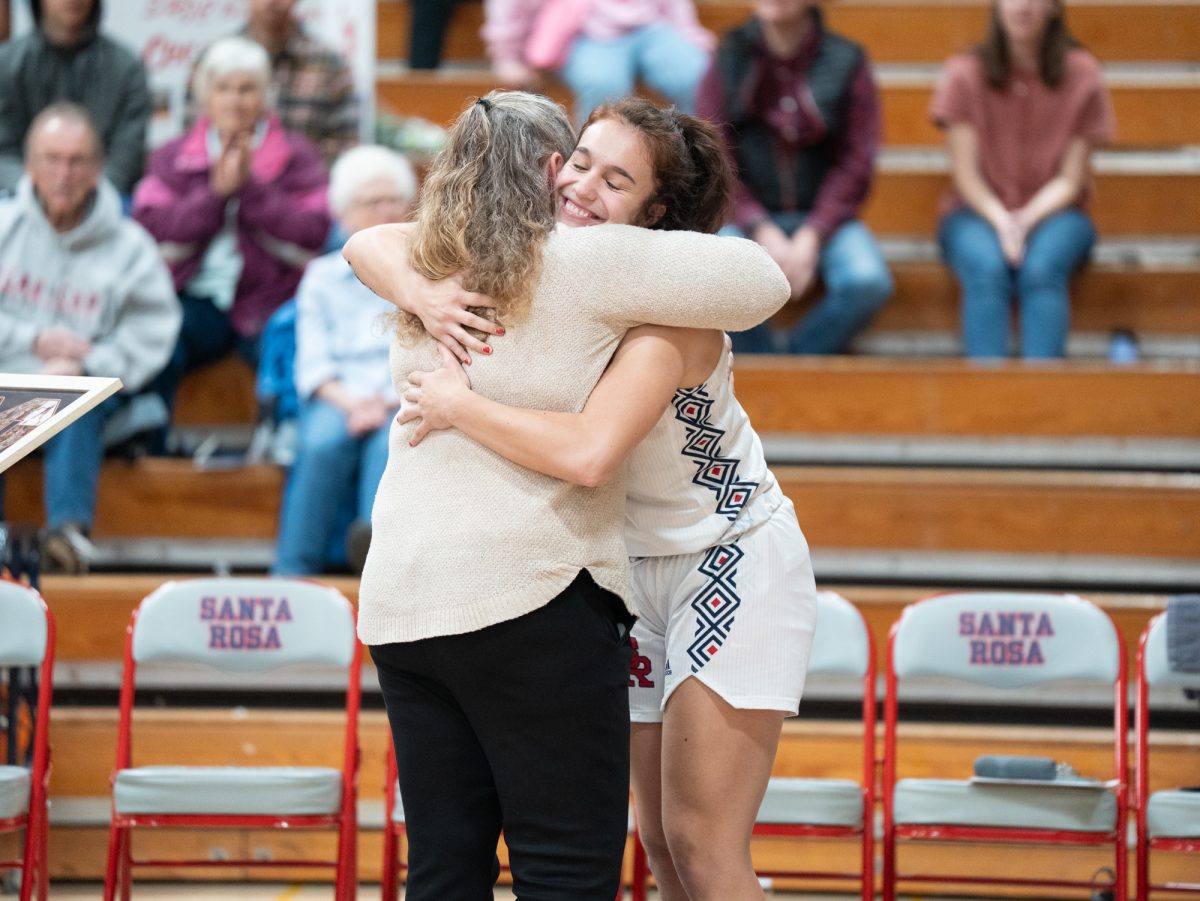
x: 920, y: 31
x: 1150, y: 105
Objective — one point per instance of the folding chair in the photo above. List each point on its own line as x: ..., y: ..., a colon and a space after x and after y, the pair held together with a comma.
x: 27, y: 640
x: 1001, y: 640
x: 241, y: 626
x: 1167, y: 820
x: 822, y: 808
x: 393, y: 833
x: 832, y: 808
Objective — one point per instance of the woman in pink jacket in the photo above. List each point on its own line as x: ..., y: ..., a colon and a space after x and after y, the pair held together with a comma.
x: 238, y: 207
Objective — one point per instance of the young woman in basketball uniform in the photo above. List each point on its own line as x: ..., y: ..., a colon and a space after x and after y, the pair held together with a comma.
x: 720, y: 570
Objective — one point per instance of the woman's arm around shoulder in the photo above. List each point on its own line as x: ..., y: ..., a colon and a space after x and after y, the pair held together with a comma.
x: 678, y: 278
x: 379, y: 258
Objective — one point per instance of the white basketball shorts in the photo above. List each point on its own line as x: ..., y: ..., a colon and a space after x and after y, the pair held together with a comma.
x: 739, y: 617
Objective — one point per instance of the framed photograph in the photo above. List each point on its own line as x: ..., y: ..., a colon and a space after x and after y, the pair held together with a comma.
x: 34, y: 408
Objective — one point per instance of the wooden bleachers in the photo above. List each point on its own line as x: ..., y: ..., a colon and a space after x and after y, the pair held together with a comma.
x: 1119, y: 416
x: 1148, y: 117
x: 889, y: 509
x: 957, y: 398
x: 1146, y: 45
x: 909, y: 32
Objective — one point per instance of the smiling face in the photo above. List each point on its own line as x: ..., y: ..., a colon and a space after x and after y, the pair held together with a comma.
x: 235, y: 102
x: 608, y: 178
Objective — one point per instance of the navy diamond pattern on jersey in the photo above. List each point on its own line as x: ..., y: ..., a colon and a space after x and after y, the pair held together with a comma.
x: 703, y: 446
x: 716, y: 603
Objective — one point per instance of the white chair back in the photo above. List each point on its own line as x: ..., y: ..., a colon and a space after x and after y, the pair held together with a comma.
x: 245, y: 625
x: 1007, y: 639
x: 840, y: 645
x: 23, y: 630
x: 1158, y: 666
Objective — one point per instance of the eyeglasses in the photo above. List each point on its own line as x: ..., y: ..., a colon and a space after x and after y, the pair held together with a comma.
x: 75, y: 162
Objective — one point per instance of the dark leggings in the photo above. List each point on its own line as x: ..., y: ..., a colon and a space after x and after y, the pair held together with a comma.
x: 522, y: 726
x: 427, y: 35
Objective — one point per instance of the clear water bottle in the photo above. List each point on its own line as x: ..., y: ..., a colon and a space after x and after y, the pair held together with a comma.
x: 1123, y: 347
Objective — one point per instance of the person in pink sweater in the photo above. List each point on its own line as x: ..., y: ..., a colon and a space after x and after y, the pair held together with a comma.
x: 1022, y: 115
x: 600, y: 48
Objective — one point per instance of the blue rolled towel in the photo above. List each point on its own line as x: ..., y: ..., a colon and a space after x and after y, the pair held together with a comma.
x: 1012, y: 766
x: 1183, y: 633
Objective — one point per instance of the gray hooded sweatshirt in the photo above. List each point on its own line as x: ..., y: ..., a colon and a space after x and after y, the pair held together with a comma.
x: 103, y: 279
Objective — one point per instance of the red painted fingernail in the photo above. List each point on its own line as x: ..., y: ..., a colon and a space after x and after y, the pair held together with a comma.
x: 499, y: 331
x: 466, y: 361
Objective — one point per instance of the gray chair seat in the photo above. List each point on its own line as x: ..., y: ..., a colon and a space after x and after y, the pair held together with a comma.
x: 1173, y: 814
x: 14, y: 791
x: 237, y: 791
x: 813, y: 802
x: 962, y: 803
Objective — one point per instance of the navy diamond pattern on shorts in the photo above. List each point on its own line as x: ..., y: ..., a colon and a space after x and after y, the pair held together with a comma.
x: 703, y: 446
x: 716, y: 603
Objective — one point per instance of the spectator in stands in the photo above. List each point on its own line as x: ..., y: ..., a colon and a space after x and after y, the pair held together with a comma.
x: 83, y: 291
x: 599, y: 47
x: 311, y: 86
x: 1022, y: 113
x: 427, y: 32
x: 342, y: 373
x: 66, y: 58
x: 801, y: 116
x: 238, y: 206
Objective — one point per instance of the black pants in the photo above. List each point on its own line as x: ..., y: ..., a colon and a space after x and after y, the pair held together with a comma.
x: 522, y: 726
x: 205, y: 336
x: 427, y: 35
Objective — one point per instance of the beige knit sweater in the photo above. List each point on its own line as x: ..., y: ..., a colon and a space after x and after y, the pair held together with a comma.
x: 462, y: 538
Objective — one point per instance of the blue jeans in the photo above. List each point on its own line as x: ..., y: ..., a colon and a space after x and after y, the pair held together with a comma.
x: 659, y: 55
x: 322, y: 482
x: 71, y: 467
x: 1054, y: 251
x: 857, y: 284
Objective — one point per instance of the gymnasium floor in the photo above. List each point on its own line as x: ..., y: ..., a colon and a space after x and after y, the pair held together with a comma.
x: 175, y: 892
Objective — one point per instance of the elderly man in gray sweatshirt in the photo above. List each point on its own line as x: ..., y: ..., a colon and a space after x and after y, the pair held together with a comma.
x: 83, y: 291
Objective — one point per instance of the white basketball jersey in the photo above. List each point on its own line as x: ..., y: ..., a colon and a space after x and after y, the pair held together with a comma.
x: 699, y: 478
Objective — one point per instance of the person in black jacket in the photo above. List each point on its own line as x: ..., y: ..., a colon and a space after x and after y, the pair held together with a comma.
x: 66, y: 58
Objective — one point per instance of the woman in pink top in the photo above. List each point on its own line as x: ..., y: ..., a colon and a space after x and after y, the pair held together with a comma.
x: 1022, y: 113
x: 599, y: 48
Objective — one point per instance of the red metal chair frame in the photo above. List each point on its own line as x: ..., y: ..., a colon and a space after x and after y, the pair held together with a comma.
x: 119, y: 869
x: 393, y: 865
x: 866, y: 834
x: 35, y: 821
x: 1146, y: 844
x: 952, y: 833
